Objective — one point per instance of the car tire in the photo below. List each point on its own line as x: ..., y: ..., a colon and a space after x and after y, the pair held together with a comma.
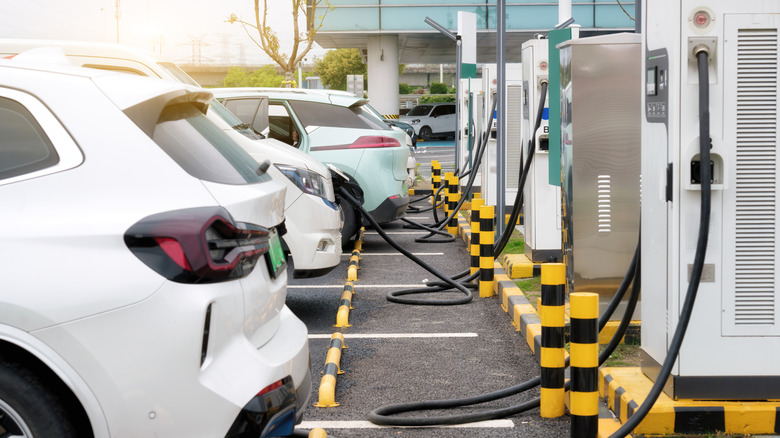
x: 425, y: 133
x: 28, y: 407
x: 349, y: 220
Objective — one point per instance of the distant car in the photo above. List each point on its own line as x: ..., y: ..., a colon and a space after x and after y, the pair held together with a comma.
x: 314, y: 246
x: 335, y: 129
x: 431, y: 120
x: 144, y: 284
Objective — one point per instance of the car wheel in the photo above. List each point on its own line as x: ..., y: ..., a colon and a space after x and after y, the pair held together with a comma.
x: 28, y: 408
x: 349, y: 221
x: 425, y: 133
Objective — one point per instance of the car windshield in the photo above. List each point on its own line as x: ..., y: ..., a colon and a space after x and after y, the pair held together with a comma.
x: 420, y: 110
x: 234, y: 121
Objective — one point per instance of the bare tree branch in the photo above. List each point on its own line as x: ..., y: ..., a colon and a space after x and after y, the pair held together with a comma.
x: 268, y: 40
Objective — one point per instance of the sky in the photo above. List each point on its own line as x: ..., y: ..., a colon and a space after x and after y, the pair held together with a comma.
x: 182, y: 30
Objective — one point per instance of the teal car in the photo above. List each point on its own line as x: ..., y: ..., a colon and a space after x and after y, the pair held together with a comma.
x: 335, y: 129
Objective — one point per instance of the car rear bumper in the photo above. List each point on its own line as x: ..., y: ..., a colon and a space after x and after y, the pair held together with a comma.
x: 153, y: 374
x: 313, y: 236
x: 390, y: 209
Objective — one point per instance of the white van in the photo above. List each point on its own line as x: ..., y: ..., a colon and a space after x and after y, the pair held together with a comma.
x: 315, y: 246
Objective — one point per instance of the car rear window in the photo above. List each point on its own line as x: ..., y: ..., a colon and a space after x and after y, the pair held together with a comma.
x: 420, y: 110
x: 323, y: 114
x: 202, y: 149
x: 24, y: 147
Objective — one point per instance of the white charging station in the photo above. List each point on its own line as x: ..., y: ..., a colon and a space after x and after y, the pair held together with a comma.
x: 469, y: 100
x: 514, y: 123
x: 732, y: 347
x: 542, y: 201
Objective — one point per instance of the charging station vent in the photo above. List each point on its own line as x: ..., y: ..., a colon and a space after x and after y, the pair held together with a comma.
x: 514, y: 141
x: 605, y: 203
x: 756, y: 180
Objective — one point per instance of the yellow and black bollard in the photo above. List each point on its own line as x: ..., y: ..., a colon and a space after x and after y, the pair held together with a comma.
x: 435, y: 180
x: 446, y: 193
x: 476, y: 204
x: 327, y: 394
x: 342, y: 316
x: 486, y: 238
x: 553, y: 315
x: 454, y: 197
x: 584, y: 345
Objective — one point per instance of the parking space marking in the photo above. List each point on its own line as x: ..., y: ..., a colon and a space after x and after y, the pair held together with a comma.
x: 397, y: 232
x: 363, y: 254
x: 396, y: 335
x: 504, y: 424
x: 357, y: 286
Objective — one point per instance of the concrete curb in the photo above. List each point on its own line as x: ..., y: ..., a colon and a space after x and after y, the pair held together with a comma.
x: 625, y: 388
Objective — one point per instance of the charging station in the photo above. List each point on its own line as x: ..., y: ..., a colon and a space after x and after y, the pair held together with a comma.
x: 542, y: 201
x: 732, y: 345
x: 600, y: 137
x: 514, y: 123
x: 469, y: 100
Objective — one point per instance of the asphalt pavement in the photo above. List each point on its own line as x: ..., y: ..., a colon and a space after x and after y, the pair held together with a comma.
x: 406, y: 353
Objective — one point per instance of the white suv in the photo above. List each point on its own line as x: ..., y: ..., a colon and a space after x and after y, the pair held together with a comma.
x: 144, y: 284
x: 315, y: 246
x: 431, y: 120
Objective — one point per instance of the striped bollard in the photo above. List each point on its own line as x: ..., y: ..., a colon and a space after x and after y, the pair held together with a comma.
x: 435, y: 179
x: 553, y: 317
x: 486, y: 238
x: 354, y: 265
x: 446, y: 193
x: 452, y: 225
x: 327, y: 393
x: 342, y: 316
x: 584, y: 345
x: 476, y: 204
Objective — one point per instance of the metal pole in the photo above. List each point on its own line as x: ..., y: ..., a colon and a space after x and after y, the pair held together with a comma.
x: 500, y: 118
x: 458, y: 59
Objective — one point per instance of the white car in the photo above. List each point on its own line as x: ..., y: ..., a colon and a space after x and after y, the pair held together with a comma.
x: 144, y: 284
x: 315, y: 246
x: 431, y: 120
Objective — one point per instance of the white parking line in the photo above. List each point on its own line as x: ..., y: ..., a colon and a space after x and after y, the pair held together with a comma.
x: 396, y: 232
x: 362, y: 254
x: 396, y: 335
x: 356, y: 286
x: 505, y: 424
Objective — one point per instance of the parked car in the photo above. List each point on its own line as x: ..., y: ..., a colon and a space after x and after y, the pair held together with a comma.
x: 411, y: 160
x: 336, y: 129
x: 144, y: 284
x: 313, y: 245
x: 431, y: 120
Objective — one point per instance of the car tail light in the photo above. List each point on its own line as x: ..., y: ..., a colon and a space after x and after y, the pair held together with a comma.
x: 199, y: 245
x: 374, y: 141
x: 364, y: 142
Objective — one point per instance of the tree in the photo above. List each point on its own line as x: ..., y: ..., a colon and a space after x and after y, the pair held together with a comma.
x: 334, y: 67
x: 268, y: 40
x: 262, y: 77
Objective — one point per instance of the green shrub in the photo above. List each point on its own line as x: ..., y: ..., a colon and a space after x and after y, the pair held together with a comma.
x: 404, y: 88
x: 437, y: 98
x: 438, y: 88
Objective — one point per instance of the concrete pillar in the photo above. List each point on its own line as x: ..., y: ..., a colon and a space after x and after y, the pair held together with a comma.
x: 383, y: 73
